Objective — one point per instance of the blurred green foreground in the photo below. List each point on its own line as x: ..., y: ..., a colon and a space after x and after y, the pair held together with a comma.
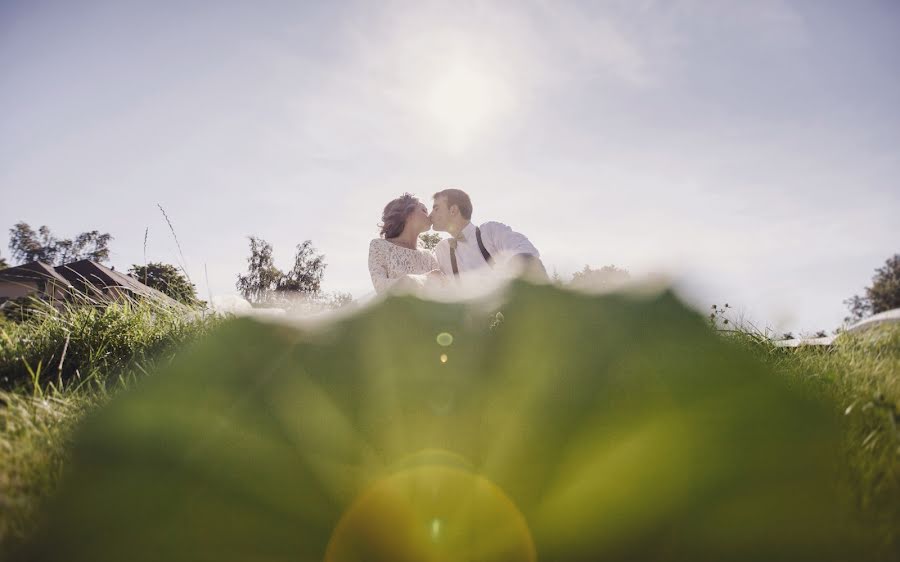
x: 569, y: 427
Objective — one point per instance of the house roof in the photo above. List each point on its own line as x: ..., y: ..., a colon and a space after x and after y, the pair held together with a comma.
x: 82, y: 272
x: 34, y: 271
x: 886, y: 317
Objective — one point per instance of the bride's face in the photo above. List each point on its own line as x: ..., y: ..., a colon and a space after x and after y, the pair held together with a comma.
x: 418, y: 219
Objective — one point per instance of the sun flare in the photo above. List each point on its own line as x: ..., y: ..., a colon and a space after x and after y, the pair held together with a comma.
x: 463, y: 100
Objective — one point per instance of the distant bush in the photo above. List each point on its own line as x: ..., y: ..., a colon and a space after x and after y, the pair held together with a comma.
x: 883, y: 295
x: 167, y: 279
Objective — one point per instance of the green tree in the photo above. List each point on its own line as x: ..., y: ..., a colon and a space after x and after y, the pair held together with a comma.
x: 556, y: 278
x: 3, y: 264
x: 264, y: 283
x: 306, y: 274
x: 167, y: 279
x: 338, y: 300
x: 606, y: 277
x: 428, y: 240
x: 884, y: 294
x: 262, y: 276
x: 27, y: 245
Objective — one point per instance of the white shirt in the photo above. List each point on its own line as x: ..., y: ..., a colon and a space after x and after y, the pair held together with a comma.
x: 501, y: 242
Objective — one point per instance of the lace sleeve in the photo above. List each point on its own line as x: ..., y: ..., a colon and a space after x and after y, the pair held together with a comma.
x: 378, y: 259
x: 433, y: 259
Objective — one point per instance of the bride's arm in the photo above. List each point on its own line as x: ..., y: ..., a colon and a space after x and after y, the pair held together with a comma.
x: 378, y: 267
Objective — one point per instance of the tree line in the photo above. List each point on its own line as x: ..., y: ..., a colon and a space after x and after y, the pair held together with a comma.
x: 264, y: 284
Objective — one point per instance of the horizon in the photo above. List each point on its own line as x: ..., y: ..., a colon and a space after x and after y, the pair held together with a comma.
x: 748, y: 152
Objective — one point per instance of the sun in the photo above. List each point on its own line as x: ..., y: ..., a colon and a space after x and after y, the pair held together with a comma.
x: 464, y: 100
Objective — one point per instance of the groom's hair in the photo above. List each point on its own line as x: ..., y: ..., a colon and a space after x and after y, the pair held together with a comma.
x: 459, y: 198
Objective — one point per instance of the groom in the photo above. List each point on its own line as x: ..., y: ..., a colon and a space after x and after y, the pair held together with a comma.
x: 475, y: 247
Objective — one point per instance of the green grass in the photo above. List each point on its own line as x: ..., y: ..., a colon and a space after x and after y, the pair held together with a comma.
x: 56, y: 365
x: 82, y: 343
x: 59, y: 365
x: 860, y: 380
x: 34, y: 435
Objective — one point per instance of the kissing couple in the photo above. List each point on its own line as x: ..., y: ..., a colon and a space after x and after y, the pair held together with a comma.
x: 397, y: 262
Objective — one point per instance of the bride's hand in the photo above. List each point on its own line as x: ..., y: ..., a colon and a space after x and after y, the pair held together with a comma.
x: 435, y: 274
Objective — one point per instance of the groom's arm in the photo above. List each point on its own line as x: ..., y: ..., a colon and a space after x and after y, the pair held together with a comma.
x: 518, y: 248
x: 504, y: 240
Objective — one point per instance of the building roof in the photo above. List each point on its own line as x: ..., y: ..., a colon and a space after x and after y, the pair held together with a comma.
x: 800, y: 342
x: 886, y: 317
x: 34, y: 271
x: 880, y: 319
x: 84, y: 272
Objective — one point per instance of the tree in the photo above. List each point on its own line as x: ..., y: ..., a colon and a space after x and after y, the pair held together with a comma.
x: 306, y: 275
x: 429, y: 240
x: 167, y: 279
x: 884, y: 294
x: 264, y: 282
x: 606, y: 277
x: 556, y: 278
x: 27, y: 245
x: 3, y: 264
x: 262, y: 276
x: 338, y: 300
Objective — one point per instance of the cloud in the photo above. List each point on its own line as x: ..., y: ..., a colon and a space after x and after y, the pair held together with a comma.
x: 590, y: 42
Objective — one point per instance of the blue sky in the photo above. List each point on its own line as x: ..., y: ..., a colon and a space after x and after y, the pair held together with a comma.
x: 751, y: 150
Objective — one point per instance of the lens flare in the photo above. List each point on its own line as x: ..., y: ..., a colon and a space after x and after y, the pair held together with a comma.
x: 444, y: 339
x: 432, y: 513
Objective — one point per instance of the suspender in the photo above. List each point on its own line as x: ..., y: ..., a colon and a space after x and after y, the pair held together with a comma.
x: 453, y: 265
x: 484, y: 252
x: 488, y: 258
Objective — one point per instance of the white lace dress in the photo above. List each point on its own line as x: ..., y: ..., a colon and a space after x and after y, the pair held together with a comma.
x: 390, y: 264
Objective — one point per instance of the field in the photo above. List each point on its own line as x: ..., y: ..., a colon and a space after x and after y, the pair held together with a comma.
x: 59, y: 367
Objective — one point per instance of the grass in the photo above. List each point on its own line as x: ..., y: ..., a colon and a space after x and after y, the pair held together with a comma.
x: 59, y: 364
x: 34, y: 434
x: 860, y: 379
x: 85, y: 343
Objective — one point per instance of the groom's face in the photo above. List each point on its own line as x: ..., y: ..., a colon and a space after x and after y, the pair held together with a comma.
x: 440, y: 214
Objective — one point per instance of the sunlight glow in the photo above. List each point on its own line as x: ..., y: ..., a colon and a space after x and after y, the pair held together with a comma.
x: 435, y: 529
x: 463, y: 100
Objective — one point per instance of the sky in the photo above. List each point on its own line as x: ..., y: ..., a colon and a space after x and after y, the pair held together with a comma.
x: 750, y: 151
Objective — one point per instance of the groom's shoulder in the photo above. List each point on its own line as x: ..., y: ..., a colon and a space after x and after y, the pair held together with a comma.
x: 493, y: 225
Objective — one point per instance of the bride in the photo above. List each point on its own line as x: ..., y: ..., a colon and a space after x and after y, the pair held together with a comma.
x: 394, y: 259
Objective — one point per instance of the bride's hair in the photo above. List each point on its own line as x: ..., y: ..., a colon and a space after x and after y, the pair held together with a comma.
x: 393, y: 219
